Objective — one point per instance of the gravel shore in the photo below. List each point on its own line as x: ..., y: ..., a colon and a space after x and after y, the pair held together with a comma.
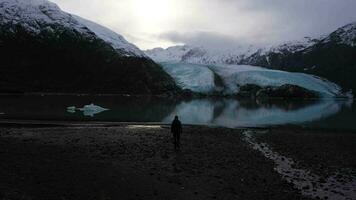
x: 134, y: 162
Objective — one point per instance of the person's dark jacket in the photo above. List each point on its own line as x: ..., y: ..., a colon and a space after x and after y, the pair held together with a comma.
x: 176, y: 127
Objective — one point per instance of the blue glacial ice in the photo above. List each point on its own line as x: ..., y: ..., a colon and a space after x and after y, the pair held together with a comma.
x: 197, y: 78
x: 200, y: 78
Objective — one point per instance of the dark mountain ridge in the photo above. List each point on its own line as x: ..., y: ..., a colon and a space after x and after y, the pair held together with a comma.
x: 43, y: 49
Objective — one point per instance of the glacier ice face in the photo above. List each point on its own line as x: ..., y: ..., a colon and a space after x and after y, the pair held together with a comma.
x: 197, y: 78
x: 200, y: 78
x: 238, y: 75
x: 36, y: 15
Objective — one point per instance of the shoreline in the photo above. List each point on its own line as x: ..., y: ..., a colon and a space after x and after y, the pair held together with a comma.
x: 97, y: 123
x: 66, y: 160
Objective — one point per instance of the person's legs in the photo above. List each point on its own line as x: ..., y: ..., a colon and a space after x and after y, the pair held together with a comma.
x: 175, y: 140
x: 178, y: 140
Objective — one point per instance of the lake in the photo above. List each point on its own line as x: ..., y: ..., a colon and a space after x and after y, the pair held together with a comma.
x: 226, y: 112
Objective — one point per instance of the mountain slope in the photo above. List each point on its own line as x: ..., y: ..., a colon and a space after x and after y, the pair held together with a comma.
x: 331, y: 56
x: 43, y: 49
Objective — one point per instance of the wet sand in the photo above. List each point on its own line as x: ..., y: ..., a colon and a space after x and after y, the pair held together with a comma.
x: 129, y: 161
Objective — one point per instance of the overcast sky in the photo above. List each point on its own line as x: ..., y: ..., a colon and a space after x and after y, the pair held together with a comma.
x: 161, y: 23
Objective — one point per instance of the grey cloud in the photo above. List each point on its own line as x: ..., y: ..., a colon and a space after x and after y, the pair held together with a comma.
x: 272, y: 21
x: 206, y: 39
x: 219, y: 23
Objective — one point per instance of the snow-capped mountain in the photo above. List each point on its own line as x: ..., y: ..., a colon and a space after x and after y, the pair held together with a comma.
x: 331, y: 56
x: 44, y: 49
x: 249, y: 54
x: 238, y: 55
x: 174, y: 53
x: 345, y: 35
x: 201, y: 55
x: 39, y: 15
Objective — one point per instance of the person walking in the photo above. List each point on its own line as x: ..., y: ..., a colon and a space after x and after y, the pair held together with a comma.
x: 176, y: 129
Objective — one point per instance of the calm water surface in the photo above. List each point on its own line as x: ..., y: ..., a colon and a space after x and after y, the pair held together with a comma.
x: 325, y: 113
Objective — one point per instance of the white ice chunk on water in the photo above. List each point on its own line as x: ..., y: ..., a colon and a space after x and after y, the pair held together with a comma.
x: 88, y: 110
x: 91, y: 110
x: 71, y: 109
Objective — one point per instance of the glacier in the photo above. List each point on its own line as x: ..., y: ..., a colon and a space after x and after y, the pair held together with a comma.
x: 197, y: 78
x: 201, y: 78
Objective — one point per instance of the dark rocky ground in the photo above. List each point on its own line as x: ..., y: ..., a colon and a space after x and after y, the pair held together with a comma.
x: 134, y: 162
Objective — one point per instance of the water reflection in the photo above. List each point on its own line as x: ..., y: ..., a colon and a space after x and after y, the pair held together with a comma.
x: 329, y: 113
x: 233, y: 113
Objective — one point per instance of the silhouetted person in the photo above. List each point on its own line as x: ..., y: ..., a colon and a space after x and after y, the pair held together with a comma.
x: 176, y: 129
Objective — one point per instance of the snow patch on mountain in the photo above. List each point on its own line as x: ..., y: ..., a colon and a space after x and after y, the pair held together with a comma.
x: 346, y: 35
x: 171, y: 54
x: 291, y: 46
x: 201, y: 55
x: 238, y: 55
x: 249, y: 54
x: 38, y: 15
x: 117, y: 41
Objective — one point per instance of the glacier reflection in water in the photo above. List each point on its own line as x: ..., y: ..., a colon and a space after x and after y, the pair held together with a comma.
x: 232, y: 113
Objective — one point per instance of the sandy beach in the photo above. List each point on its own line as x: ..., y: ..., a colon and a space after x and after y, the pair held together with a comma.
x: 138, y: 161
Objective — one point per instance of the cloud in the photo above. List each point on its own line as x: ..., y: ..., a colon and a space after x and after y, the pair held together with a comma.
x: 261, y: 22
x: 206, y: 39
x: 153, y: 23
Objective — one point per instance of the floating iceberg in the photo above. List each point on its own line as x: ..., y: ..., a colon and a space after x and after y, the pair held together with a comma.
x: 71, y: 109
x: 88, y: 110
